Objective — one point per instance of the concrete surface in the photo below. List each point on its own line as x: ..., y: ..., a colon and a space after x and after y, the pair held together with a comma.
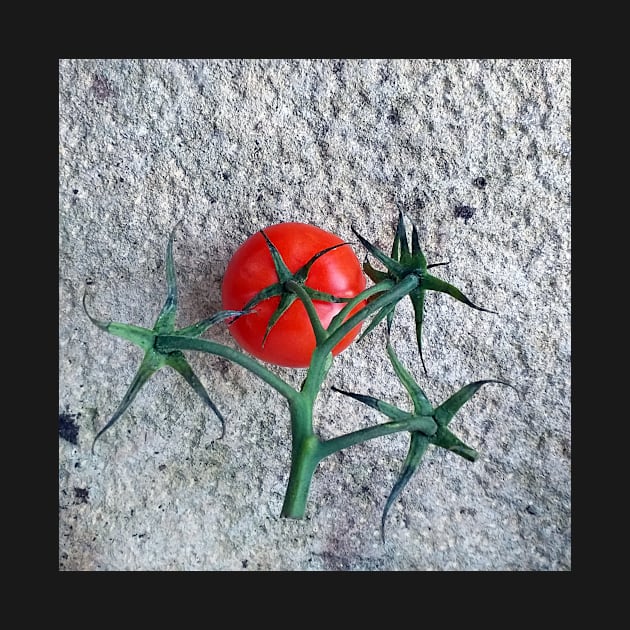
x: 476, y: 152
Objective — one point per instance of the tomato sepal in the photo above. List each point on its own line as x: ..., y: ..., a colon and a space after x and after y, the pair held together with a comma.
x: 402, y: 263
x: 155, y: 359
x: 441, y: 416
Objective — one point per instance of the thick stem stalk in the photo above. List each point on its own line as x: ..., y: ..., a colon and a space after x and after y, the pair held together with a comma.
x: 304, y: 458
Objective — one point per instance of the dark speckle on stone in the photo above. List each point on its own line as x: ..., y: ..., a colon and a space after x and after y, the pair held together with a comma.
x: 245, y: 563
x: 530, y: 509
x: 75, y: 191
x: 82, y: 494
x: 465, y: 212
x: 419, y: 203
x: 68, y: 430
x: 101, y: 88
x: 480, y: 182
x: 394, y: 116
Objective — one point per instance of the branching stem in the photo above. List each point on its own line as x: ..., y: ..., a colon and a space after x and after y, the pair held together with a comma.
x: 307, y: 450
x: 406, y: 275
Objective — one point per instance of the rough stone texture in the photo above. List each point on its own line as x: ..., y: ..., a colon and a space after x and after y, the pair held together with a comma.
x: 476, y: 153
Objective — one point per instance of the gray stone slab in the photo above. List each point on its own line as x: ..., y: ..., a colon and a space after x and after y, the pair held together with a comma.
x: 475, y: 152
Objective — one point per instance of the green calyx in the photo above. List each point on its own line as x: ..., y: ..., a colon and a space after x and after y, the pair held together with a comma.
x: 402, y: 262
x: 288, y: 284
x: 154, y: 358
x: 441, y: 436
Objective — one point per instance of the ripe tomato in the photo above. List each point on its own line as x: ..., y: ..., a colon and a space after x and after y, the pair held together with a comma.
x: 291, y: 341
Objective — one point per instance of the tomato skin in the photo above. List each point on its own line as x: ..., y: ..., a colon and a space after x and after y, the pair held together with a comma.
x: 291, y: 340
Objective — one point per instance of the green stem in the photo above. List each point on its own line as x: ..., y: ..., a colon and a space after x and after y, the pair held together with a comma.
x: 304, y: 458
x: 307, y: 451
x: 320, y: 364
x: 170, y: 343
x: 382, y: 286
x: 417, y: 423
x: 409, y: 283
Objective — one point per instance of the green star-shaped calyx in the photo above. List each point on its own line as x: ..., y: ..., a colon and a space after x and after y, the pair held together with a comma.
x: 154, y: 359
x: 283, y: 287
x: 419, y: 441
x: 402, y: 262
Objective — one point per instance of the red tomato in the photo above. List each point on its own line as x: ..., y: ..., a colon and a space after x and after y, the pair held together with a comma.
x: 291, y: 341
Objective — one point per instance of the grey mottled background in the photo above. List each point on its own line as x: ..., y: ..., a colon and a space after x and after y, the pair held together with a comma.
x: 231, y: 146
